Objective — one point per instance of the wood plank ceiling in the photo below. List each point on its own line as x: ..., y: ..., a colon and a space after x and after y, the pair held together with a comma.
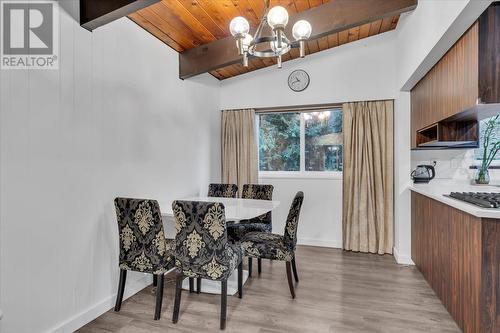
x: 185, y: 24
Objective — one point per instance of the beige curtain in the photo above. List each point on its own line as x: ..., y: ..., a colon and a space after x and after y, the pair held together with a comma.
x: 367, y: 217
x: 239, y: 148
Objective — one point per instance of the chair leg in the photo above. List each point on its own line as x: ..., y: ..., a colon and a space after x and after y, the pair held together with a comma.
x: 159, y: 295
x: 198, y: 285
x: 121, y: 288
x: 294, y: 268
x: 155, y: 280
x: 289, y: 277
x: 259, y: 265
x: 249, y: 266
x: 177, y: 302
x: 240, y: 280
x: 223, y: 304
x: 191, y: 285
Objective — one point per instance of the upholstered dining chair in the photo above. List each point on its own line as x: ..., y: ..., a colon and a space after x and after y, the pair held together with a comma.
x: 217, y: 190
x: 263, y: 223
x: 143, y: 246
x: 223, y: 190
x: 202, y: 249
x: 278, y: 247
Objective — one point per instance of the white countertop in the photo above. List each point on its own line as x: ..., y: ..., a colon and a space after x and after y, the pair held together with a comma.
x: 438, y: 187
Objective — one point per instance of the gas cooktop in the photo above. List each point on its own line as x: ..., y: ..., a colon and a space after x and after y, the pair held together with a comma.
x: 481, y: 199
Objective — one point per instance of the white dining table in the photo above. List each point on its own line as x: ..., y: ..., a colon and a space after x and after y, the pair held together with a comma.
x: 236, y: 210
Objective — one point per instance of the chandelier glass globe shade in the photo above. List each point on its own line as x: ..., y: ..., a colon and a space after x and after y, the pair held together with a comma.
x: 277, y: 17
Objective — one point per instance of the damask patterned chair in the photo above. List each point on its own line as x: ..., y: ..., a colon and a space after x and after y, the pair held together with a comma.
x: 143, y: 246
x: 218, y: 191
x: 223, y: 190
x: 202, y: 249
x: 263, y: 223
x: 277, y: 247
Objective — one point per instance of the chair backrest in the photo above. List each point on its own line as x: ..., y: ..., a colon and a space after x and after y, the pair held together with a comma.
x: 201, y: 239
x: 223, y: 190
x: 142, y: 239
x: 259, y: 192
x: 292, y: 221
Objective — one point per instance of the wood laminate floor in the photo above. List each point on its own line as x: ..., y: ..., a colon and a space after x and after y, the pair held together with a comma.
x: 338, y: 292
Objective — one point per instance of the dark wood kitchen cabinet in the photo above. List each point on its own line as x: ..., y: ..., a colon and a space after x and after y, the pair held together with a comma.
x: 459, y: 256
x: 467, y: 75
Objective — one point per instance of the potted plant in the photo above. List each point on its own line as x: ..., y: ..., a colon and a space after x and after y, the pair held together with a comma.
x: 491, y: 146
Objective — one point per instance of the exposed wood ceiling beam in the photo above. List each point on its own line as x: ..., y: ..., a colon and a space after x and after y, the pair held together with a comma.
x: 327, y: 19
x: 96, y: 13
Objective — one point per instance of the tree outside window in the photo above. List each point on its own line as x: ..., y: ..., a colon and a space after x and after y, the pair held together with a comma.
x: 301, y: 141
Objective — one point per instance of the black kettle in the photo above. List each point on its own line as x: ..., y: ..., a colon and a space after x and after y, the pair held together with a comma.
x: 423, y: 174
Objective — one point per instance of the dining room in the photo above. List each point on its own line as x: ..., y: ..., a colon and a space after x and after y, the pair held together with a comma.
x: 200, y: 165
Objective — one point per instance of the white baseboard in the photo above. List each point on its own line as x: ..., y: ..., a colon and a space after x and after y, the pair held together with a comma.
x: 402, y: 259
x: 318, y: 242
x: 131, y: 288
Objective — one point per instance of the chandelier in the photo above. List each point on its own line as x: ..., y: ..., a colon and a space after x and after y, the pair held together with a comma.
x: 274, y: 45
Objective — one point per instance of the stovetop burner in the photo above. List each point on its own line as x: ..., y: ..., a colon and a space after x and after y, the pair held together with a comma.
x: 481, y: 199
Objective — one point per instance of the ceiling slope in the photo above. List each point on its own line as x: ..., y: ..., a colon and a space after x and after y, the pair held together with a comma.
x: 199, y: 29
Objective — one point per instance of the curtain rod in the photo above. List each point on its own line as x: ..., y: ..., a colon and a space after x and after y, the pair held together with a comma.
x: 292, y: 108
x: 299, y: 108
x: 306, y: 107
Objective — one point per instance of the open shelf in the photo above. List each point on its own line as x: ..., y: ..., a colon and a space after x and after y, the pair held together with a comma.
x: 449, y: 134
x: 427, y: 135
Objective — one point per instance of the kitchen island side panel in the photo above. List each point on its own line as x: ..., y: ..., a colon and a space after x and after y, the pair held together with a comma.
x: 446, y: 248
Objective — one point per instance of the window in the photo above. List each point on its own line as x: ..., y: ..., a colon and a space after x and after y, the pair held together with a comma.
x: 279, y: 142
x: 300, y: 141
x: 479, y: 153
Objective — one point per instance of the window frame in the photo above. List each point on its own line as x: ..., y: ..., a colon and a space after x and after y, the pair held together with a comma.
x: 302, y: 173
x: 476, y: 162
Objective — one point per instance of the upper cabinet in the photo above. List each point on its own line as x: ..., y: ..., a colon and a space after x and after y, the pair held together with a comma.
x: 445, y: 103
x: 489, y: 55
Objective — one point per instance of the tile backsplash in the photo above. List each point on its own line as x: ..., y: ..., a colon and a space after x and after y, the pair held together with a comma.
x: 451, y: 163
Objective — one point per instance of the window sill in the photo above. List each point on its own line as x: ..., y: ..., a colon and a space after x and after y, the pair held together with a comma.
x: 301, y: 174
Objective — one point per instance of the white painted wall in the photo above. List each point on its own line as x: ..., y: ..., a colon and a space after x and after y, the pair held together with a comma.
x: 402, y: 168
x: 321, y: 214
x: 114, y: 120
x: 420, y: 30
x: 363, y: 70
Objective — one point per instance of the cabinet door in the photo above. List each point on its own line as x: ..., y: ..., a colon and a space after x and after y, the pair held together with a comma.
x: 489, y: 54
x: 450, y: 87
x: 446, y: 248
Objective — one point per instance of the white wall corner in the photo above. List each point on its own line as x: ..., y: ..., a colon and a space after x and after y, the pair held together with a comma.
x: 402, y: 258
x: 132, y: 287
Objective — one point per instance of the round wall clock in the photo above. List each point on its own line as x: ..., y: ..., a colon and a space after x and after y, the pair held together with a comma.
x: 298, y: 80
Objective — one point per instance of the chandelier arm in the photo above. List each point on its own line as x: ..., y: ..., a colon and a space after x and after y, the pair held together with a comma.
x: 259, y: 29
x: 263, y: 20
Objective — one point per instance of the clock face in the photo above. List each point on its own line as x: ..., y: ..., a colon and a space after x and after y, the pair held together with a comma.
x: 298, y: 80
